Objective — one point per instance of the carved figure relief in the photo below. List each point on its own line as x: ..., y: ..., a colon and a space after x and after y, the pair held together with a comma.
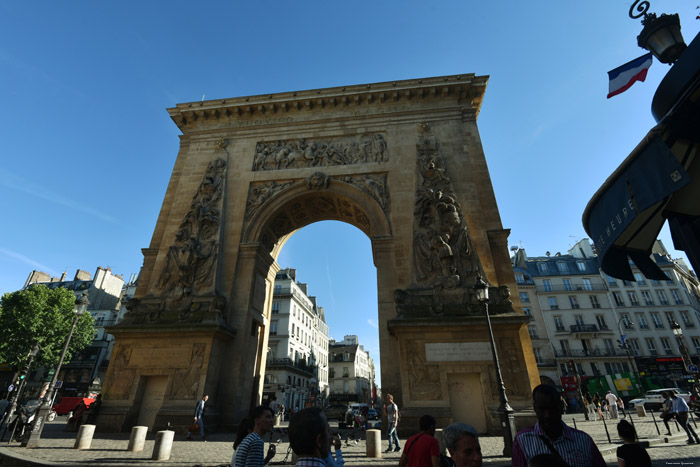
x: 372, y: 184
x: 259, y: 193
x: 122, y: 377
x: 294, y: 154
x: 186, y: 381
x: 191, y: 259
x: 424, y: 380
x: 443, y: 257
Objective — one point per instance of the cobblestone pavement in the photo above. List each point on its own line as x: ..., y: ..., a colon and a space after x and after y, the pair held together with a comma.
x: 110, y: 449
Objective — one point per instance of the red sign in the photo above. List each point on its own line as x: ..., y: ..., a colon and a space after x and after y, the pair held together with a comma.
x: 569, y: 383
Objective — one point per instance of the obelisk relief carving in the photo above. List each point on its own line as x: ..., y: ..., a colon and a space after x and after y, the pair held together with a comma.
x: 445, y: 265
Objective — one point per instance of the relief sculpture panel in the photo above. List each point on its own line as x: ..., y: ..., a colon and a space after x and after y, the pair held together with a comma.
x: 342, y: 150
x: 423, y: 379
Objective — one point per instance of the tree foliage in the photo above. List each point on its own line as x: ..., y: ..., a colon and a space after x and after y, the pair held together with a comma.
x: 42, y: 316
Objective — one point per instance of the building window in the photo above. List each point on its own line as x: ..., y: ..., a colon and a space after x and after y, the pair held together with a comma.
x: 519, y: 278
x: 626, y: 321
x: 547, y: 285
x: 558, y: 323
x: 655, y: 282
x: 553, y: 305
x: 600, y: 319
x: 594, y: 301
x: 696, y: 344
x: 275, y: 307
x: 685, y: 317
x: 634, y: 343
x: 573, y: 302
x: 611, y: 281
x: 676, y: 297
x: 609, y: 346
x: 564, y: 344
x: 527, y: 311
x: 619, y: 301
x: 532, y: 331
x: 581, y: 265
x: 587, y: 285
x: 561, y: 266
x: 273, y: 328
x: 542, y: 267
x: 538, y: 355
x: 647, y: 298
x: 656, y: 320
x: 608, y: 368
x: 639, y: 278
x: 567, y: 284
x: 666, y: 345
x: 662, y: 297
x: 633, y: 298
x: 642, y: 321
x: 278, y: 289
x: 651, y: 346
x: 524, y: 297
x: 578, y: 319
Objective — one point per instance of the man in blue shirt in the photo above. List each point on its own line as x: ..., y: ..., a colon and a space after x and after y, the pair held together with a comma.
x: 680, y: 408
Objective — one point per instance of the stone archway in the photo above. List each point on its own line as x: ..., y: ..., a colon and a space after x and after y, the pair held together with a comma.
x: 401, y: 161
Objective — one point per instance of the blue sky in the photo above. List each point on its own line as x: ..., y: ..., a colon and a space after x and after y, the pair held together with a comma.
x: 87, y: 146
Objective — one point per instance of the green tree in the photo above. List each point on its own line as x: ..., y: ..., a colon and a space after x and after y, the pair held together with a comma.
x: 42, y: 316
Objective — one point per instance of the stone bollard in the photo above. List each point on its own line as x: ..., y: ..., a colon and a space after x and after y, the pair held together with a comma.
x: 641, y: 411
x: 163, y: 446
x: 295, y: 458
x: 84, y: 438
x: 137, y: 439
x: 441, y: 441
x: 374, y: 443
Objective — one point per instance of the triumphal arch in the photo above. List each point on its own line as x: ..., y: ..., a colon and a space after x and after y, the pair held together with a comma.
x: 403, y: 162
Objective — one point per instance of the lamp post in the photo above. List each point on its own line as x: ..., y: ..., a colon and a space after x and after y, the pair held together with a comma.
x: 505, y: 411
x: 625, y: 345
x: 81, y: 305
x: 17, y: 393
x: 685, y: 355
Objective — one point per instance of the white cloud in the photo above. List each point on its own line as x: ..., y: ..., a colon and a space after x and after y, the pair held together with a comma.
x: 372, y: 323
x: 29, y: 261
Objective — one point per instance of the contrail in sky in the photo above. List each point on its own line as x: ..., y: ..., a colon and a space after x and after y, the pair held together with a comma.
x: 330, y: 283
x: 31, y: 262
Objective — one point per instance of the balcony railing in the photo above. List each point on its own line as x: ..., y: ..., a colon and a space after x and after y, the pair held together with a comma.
x: 571, y: 288
x: 289, y: 363
x: 583, y: 328
x: 590, y: 353
x: 545, y: 363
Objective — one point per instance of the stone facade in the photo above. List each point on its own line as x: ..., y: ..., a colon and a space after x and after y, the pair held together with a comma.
x: 402, y: 161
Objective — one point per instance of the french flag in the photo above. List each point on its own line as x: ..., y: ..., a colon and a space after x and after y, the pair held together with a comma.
x: 623, y: 77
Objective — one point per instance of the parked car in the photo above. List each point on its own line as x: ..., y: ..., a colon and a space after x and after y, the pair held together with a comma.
x: 336, y: 412
x: 653, y: 399
x: 372, y: 414
x: 68, y: 404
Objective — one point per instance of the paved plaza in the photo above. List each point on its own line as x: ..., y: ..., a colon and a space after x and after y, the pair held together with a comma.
x: 110, y: 449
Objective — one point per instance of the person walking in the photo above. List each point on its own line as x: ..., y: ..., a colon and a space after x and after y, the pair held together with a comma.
x: 612, y: 404
x: 391, y: 411
x: 249, y: 452
x: 621, y: 407
x: 631, y: 453
x: 680, y: 408
x: 198, y: 418
x: 596, y: 403
x: 422, y: 449
x: 666, y: 414
x: 551, y: 435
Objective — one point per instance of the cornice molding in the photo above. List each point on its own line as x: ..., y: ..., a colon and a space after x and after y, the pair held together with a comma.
x: 467, y: 89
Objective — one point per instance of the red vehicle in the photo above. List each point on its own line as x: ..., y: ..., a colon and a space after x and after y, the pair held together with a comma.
x: 68, y: 404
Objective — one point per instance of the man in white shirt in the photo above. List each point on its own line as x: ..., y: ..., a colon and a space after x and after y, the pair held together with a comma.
x: 680, y: 408
x: 612, y: 404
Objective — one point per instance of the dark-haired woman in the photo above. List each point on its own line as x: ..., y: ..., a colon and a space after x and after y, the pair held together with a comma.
x: 631, y: 453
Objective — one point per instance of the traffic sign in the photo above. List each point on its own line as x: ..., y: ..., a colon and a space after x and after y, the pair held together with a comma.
x: 693, y: 368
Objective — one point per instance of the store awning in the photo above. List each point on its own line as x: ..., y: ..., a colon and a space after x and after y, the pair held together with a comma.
x: 626, y: 214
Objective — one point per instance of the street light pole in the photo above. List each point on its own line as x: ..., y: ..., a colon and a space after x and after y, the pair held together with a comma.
x: 625, y: 345
x: 685, y: 355
x: 505, y: 411
x: 81, y: 305
x: 16, y: 394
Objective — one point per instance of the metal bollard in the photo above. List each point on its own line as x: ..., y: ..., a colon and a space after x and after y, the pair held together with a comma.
x: 690, y: 412
x: 163, y: 445
x: 574, y: 420
x: 658, y: 432
x: 84, y: 438
x: 441, y: 441
x: 137, y: 440
x: 606, y: 430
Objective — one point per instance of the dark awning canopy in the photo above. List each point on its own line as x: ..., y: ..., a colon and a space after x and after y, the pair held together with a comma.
x: 625, y: 216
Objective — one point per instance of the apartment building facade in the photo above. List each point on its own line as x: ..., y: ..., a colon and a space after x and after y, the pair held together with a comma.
x: 351, y: 376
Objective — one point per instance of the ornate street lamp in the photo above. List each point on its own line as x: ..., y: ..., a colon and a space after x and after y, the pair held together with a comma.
x: 624, y: 343
x: 685, y: 355
x: 661, y: 35
x: 15, y: 394
x: 505, y: 411
x: 81, y: 305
